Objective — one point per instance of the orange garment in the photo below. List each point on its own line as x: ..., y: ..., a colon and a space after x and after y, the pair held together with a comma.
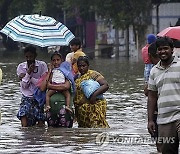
x: 77, y: 54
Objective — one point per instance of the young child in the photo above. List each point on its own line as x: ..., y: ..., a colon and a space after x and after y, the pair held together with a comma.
x: 58, y: 75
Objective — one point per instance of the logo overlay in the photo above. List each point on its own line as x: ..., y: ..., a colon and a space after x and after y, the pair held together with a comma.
x: 104, y: 139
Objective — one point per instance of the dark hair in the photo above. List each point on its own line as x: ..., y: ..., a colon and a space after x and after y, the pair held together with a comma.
x: 31, y: 49
x: 163, y: 41
x: 75, y: 41
x: 56, y: 53
x: 83, y: 58
x: 152, y: 50
x: 176, y: 43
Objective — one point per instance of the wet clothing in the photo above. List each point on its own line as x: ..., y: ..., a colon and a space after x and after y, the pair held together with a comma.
x: 28, y: 83
x: 171, y: 134
x: 30, y: 108
x: 166, y: 81
x: 147, y: 62
x: 89, y: 115
x: 58, y: 116
x: 147, y: 69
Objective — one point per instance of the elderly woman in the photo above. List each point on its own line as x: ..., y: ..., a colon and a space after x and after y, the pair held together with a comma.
x: 90, y: 112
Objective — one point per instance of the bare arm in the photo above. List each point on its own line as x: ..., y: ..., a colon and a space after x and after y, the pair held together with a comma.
x: 25, y: 77
x: 151, y: 106
x: 146, y: 89
x: 59, y: 87
x: 43, y: 85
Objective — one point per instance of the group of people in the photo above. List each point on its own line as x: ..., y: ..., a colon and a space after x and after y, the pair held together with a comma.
x: 53, y: 93
x: 162, y: 88
x: 49, y: 93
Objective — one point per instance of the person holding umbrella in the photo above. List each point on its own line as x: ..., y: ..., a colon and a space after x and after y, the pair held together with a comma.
x: 29, y: 72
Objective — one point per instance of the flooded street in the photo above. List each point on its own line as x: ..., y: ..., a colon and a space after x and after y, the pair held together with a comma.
x: 126, y: 114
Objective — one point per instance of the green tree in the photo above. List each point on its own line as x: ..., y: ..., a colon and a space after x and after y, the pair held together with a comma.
x: 4, y: 13
x: 121, y: 14
x: 21, y: 7
x: 124, y: 13
x: 52, y: 8
x: 85, y: 9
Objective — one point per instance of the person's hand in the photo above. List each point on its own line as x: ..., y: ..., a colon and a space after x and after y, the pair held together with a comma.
x: 92, y: 99
x: 22, y: 75
x: 50, y: 67
x: 146, y: 89
x: 151, y: 127
x: 31, y: 68
x: 48, y: 85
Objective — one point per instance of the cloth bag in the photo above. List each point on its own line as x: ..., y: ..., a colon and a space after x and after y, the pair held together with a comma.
x: 89, y: 87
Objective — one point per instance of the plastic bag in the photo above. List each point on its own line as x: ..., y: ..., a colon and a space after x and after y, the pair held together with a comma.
x: 89, y: 87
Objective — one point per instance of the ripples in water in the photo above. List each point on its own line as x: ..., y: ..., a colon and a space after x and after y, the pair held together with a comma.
x: 126, y: 115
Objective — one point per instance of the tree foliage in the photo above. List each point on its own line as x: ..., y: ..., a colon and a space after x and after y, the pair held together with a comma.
x: 126, y: 12
x: 4, y: 7
x: 119, y: 13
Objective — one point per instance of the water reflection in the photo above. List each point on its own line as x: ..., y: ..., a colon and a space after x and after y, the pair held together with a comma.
x: 126, y: 113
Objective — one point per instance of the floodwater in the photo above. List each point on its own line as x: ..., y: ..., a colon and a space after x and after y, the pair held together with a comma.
x: 126, y: 114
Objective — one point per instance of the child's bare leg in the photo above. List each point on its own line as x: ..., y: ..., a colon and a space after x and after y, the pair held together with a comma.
x: 24, y: 121
x: 48, y: 95
x: 67, y: 95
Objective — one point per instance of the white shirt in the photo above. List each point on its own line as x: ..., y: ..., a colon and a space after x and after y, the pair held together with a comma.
x: 58, y: 76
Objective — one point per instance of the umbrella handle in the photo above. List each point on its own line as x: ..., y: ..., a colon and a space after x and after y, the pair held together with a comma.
x: 8, y: 36
x: 40, y: 13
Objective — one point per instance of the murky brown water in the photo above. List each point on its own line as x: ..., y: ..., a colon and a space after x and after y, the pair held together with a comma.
x: 126, y: 114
